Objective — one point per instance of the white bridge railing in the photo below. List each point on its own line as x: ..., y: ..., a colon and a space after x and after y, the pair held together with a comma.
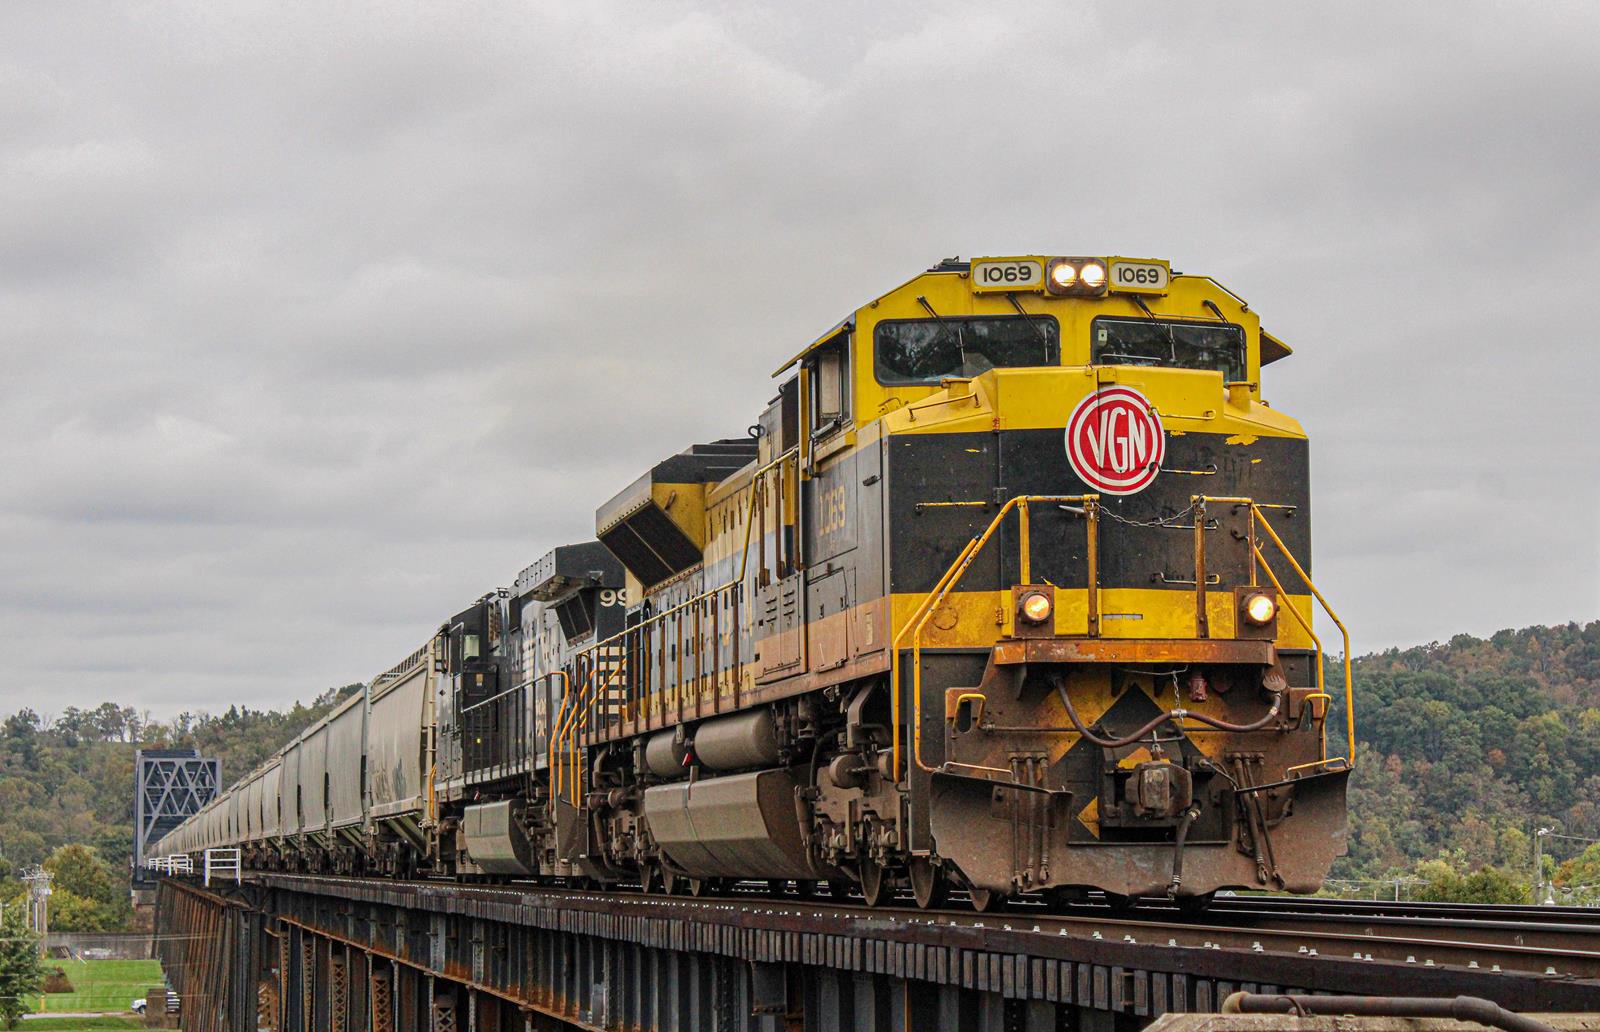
x: 223, y: 863
x: 177, y: 863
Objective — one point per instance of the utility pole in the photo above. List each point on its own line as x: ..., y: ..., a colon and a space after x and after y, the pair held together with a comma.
x: 38, y: 881
x: 1538, y: 864
x: 1539, y: 892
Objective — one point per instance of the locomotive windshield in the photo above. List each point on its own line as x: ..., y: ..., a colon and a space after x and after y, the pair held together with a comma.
x: 929, y: 350
x: 1175, y: 345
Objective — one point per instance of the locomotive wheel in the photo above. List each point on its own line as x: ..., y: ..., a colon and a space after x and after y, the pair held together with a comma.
x: 986, y: 901
x: 672, y: 883
x: 650, y: 880
x: 702, y: 887
x: 874, y: 884
x: 928, y: 884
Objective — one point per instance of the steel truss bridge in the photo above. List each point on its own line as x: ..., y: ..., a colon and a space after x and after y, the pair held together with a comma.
x: 296, y: 952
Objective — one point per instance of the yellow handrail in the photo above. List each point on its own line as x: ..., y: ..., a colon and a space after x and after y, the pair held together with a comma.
x: 1305, y: 625
x: 573, y: 727
x: 894, y: 658
x: 569, y: 706
x: 1258, y: 512
x: 918, y: 620
x: 1349, y: 689
x: 924, y: 612
x: 562, y: 740
x: 567, y: 740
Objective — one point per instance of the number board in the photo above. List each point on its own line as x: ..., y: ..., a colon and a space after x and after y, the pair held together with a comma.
x: 994, y: 274
x: 1128, y: 276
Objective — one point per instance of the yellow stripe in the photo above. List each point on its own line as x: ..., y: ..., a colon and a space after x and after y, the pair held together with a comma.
x: 975, y: 619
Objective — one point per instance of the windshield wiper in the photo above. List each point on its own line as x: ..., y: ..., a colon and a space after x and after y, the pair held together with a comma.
x: 955, y: 336
x: 1038, y: 327
x: 1172, y: 339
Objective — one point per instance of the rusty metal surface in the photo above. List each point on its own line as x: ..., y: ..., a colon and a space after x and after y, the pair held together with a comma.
x: 1135, y: 650
x: 1040, y: 948
x: 1101, y: 807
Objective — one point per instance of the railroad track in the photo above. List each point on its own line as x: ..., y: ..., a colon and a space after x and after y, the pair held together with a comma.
x: 1400, y: 942
x: 1569, y: 934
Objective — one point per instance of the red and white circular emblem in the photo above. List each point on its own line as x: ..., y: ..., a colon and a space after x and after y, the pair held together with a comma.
x: 1115, y: 442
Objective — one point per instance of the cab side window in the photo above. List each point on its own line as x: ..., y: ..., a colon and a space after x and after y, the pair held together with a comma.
x: 830, y: 388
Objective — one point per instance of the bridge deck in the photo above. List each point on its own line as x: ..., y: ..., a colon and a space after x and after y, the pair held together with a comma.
x: 548, y: 958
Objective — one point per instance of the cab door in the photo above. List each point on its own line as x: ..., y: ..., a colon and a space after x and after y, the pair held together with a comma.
x: 831, y: 508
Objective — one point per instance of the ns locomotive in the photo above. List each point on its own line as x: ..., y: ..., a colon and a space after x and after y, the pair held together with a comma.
x: 1006, y: 589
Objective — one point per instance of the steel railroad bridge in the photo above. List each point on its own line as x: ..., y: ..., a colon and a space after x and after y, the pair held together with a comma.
x: 296, y: 952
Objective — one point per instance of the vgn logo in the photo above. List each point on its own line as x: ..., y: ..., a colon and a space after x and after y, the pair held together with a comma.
x: 1115, y: 442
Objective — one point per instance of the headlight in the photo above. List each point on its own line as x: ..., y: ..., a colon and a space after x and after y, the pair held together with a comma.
x: 1036, y: 607
x: 1081, y: 277
x: 1260, y: 608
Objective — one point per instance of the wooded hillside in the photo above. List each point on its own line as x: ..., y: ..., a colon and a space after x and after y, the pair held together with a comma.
x: 1467, y: 747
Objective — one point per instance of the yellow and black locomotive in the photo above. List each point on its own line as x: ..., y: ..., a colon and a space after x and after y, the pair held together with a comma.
x: 1007, y: 589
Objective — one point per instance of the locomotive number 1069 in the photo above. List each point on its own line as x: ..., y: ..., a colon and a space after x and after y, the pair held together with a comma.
x: 1139, y: 276
x: 993, y: 275
x: 1007, y: 274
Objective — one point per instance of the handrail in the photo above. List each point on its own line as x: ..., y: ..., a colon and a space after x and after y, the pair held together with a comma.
x: 1349, y: 688
x: 920, y: 616
x: 565, y: 683
x: 573, y: 725
x: 495, y: 698
x: 567, y: 743
x: 1305, y: 625
x: 924, y: 611
x: 1258, y: 512
x: 570, y: 723
x: 757, y: 489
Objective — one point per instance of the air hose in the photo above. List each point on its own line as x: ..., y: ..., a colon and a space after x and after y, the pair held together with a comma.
x: 1177, y: 715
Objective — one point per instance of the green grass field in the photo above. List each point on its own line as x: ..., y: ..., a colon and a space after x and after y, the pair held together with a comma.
x: 78, y: 1024
x: 99, y: 985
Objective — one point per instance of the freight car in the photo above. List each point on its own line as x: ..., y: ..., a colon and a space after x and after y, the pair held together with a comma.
x: 1007, y: 588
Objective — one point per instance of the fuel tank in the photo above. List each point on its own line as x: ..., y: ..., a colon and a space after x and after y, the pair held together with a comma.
x: 742, y: 825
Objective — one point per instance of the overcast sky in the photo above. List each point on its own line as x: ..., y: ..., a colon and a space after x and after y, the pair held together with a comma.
x: 318, y: 320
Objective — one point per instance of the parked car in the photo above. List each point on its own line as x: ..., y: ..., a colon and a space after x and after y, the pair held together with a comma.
x: 138, y: 1004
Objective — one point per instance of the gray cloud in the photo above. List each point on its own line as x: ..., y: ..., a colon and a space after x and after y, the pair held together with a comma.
x: 318, y: 321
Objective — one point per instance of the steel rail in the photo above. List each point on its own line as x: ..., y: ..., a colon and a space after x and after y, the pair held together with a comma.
x: 1419, y: 908
x: 1376, y: 947
x: 1490, y: 929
